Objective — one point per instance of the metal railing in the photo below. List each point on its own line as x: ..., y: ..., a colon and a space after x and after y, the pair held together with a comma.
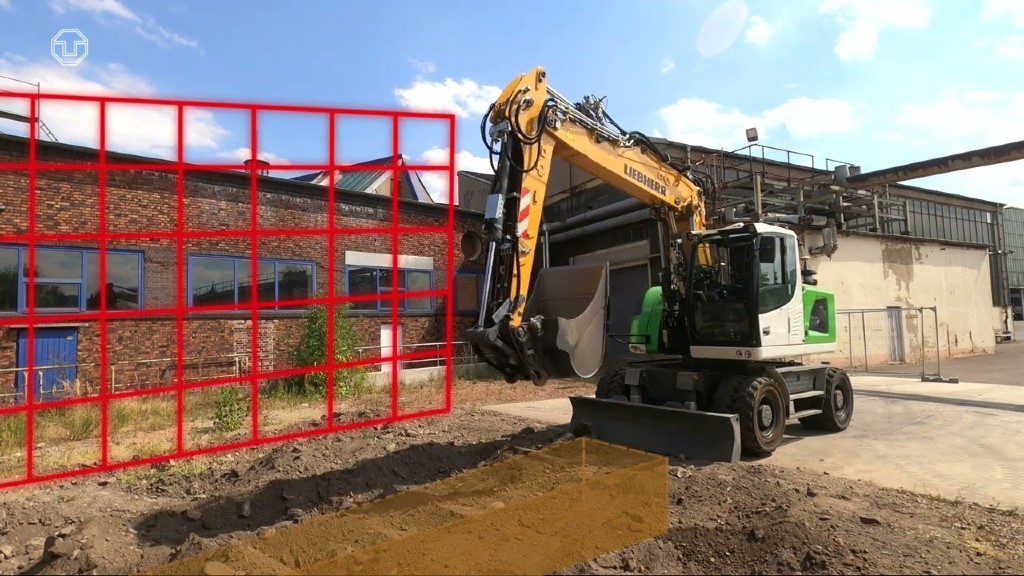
x: 892, y: 341
x: 121, y: 375
x: 156, y: 372
x: 461, y: 354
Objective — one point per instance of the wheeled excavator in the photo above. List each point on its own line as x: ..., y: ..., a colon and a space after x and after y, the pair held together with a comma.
x: 720, y: 331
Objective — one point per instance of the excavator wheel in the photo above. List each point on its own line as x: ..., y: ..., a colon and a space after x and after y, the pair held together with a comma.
x: 612, y: 383
x: 838, y: 406
x: 758, y: 401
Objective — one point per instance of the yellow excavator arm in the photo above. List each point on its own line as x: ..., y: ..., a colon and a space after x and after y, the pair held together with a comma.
x: 556, y: 324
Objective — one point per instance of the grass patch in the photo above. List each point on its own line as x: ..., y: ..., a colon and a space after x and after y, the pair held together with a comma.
x: 13, y: 431
x: 68, y: 423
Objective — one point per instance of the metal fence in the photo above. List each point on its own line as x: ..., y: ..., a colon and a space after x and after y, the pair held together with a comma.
x: 83, y: 379
x: 461, y: 354
x: 893, y: 341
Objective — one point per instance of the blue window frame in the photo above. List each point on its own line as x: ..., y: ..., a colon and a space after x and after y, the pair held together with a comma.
x: 68, y: 279
x: 378, y: 281
x: 468, y: 292
x: 227, y: 281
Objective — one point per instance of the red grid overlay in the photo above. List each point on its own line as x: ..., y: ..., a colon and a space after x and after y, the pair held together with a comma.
x: 33, y: 319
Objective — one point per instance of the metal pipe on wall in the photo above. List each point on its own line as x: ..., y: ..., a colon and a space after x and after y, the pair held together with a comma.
x: 610, y: 211
x: 630, y: 218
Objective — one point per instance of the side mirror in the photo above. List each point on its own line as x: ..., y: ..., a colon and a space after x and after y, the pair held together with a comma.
x: 766, y: 247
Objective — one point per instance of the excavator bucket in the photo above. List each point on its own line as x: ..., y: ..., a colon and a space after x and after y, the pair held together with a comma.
x: 573, y: 301
x: 659, y: 429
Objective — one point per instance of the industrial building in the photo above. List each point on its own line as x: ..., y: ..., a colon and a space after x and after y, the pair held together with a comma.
x: 142, y: 227
x: 897, y: 257
x: 1013, y: 228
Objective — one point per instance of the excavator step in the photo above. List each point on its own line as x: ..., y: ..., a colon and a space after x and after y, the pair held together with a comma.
x: 806, y: 413
x: 659, y: 429
x: 808, y: 394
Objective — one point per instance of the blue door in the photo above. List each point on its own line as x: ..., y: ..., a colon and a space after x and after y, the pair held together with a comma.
x: 54, y: 367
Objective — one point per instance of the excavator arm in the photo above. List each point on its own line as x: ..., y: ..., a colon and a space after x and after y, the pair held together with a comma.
x: 555, y: 325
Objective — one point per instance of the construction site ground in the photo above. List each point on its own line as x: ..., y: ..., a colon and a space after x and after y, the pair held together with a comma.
x: 810, y: 508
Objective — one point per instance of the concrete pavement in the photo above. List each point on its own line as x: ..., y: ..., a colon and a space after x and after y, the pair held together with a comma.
x: 954, y: 440
x: 1003, y: 367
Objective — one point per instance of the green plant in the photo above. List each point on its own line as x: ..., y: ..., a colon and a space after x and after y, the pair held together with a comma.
x: 311, y: 351
x: 230, y: 410
x: 12, y: 432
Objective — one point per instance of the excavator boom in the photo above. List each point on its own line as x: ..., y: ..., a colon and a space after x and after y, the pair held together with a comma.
x: 555, y: 325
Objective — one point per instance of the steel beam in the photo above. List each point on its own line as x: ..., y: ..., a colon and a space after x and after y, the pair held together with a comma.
x: 952, y: 163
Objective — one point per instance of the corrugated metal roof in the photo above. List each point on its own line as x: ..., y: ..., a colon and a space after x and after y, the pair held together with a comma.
x: 358, y: 181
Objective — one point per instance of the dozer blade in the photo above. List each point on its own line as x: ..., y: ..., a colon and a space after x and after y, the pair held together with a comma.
x: 659, y: 429
x: 573, y: 300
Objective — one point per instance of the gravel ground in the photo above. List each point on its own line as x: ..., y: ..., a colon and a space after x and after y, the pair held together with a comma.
x: 751, y: 518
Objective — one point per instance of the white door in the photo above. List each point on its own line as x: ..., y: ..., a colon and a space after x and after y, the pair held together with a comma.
x: 386, y: 347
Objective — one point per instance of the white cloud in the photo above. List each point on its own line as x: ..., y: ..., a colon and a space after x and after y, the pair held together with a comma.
x: 813, y: 117
x: 1011, y: 47
x: 705, y: 123
x: 144, y: 130
x: 163, y: 37
x: 423, y: 66
x: 864, y: 20
x: 463, y: 98
x: 760, y: 31
x: 5, y: 4
x: 145, y: 26
x: 437, y: 182
x: 667, y: 65
x: 242, y: 154
x: 97, y: 7
x: 973, y: 120
x: 1011, y: 11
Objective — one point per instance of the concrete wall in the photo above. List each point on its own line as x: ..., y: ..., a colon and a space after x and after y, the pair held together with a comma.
x: 873, y: 272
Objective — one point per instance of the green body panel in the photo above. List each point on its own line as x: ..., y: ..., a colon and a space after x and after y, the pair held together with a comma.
x: 648, y: 322
x: 810, y: 296
x: 647, y: 325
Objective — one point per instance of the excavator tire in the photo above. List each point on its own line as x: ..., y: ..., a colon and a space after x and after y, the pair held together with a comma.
x: 837, y: 410
x: 612, y: 383
x: 758, y: 401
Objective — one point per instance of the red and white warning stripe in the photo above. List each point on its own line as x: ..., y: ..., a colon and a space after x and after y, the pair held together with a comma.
x: 525, y: 196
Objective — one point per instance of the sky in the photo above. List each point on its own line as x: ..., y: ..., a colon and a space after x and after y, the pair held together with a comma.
x: 875, y: 83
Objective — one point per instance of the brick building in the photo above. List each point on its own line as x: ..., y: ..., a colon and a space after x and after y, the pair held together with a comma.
x: 141, y: 215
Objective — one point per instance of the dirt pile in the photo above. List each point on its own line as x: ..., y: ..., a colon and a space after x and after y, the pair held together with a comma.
x: 519, y: 514
x: 757, y: 519
x: 749, y: 518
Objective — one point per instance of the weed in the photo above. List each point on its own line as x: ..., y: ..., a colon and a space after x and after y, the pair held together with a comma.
x: 12, y: 433
x: 70, y: 423
x: 142, y: 414
x: 230, y: 410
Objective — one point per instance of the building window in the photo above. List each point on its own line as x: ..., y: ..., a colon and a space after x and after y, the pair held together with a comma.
x: 68, y: 279
x: 468, y: 292
x: 379, y: 281
x: 228, y: 281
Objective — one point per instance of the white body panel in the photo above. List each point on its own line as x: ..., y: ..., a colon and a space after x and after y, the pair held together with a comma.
x: 773, y: 353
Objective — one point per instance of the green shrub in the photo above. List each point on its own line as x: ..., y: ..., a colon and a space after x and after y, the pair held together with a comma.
x: 231, y: 410
x: 311, y: 350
